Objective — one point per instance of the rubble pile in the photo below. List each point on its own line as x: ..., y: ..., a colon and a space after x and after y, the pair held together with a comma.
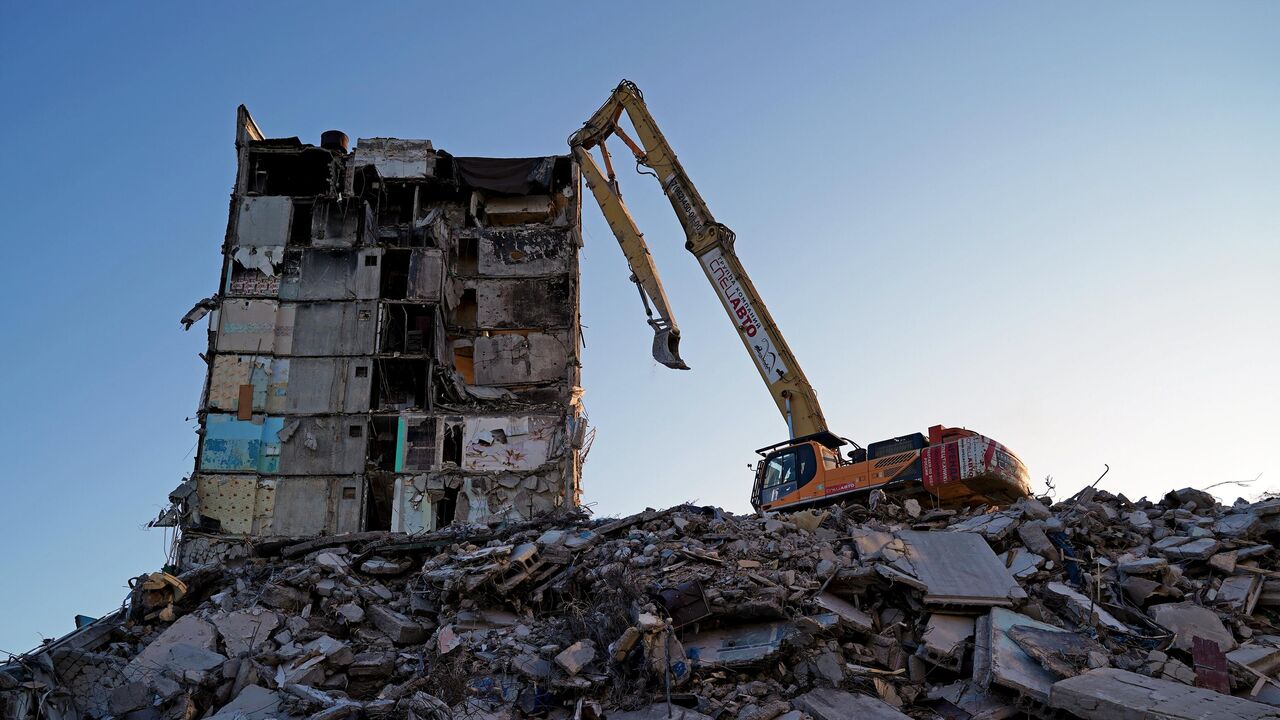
x: 1095, y: 607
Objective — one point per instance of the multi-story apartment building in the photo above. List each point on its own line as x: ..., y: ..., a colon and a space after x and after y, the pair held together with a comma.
x: 393, y: 345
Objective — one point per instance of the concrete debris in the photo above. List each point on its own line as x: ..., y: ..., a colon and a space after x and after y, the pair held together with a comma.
x: 1187, y: 620
x: 825, y: 704
x: 848, y: 612
x: 1110, y: 693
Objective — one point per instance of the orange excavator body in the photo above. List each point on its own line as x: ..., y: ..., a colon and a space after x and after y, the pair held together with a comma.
x: 950, y: 467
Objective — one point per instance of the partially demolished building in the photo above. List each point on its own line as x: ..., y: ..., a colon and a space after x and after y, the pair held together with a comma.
x: 393, y: 346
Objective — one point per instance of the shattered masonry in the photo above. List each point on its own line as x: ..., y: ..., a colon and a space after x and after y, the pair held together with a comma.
x: 1096, y: 607
x: 394, y: 344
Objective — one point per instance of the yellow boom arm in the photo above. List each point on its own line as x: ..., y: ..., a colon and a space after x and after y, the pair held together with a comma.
x: 709, y: 241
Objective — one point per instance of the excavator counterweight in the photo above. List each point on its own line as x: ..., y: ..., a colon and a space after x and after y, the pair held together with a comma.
x: 952, y: 466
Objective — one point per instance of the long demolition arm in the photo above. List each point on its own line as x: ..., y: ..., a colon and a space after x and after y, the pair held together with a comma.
x: 709, y: 241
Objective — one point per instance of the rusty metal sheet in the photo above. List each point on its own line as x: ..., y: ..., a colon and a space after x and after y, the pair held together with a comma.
x: 1210, y: 665
x: 244, y: 403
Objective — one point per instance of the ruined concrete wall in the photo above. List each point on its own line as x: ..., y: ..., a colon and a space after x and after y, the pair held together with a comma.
x: 393, y: 345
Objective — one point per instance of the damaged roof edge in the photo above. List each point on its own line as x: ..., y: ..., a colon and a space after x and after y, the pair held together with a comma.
x: 246, y: 129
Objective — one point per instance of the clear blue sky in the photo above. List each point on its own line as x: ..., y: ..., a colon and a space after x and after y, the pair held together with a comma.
x: 1055, y: 224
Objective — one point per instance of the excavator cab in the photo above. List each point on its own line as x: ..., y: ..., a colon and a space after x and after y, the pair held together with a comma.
x: 789, y: 469
x: 786, y: 471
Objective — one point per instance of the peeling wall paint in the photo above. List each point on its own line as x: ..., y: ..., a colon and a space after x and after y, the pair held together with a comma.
x: 247, y: 445
x: 510, y: 443
x: 268, y: 376
x: 255, y: 326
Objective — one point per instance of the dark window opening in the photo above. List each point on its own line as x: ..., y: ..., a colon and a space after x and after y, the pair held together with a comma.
x: 399, y: 201
x: 338, y: 221
x: 300, y: 228
x: 419, y: 451
x: 395, y: 274
x: 400, y: 384
x: 362, y: 371
x: 305, y: 172
x: 466, y: 315
x: 382, y: 445
x: 367, y: 184
x: 379, y: 499
x: 466, y: 255
x: 464, y: 361
x: 562, y: 175
x: 371, y: 261
x: 408, y: 328
x: 355, y: 431
x: 451, y: 448
x: 446, y: 507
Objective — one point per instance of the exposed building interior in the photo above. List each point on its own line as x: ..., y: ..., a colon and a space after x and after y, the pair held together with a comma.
x: 394, y: 344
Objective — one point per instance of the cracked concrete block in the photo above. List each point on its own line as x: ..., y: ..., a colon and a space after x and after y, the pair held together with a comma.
x: 244, y: 631
x: 399, y: 628
x: 1187, y: 620
x: 1111, y: 694
x: 188, y: 633
x: 831, y: 704
x: 576, y: 656
x: 254, y: 702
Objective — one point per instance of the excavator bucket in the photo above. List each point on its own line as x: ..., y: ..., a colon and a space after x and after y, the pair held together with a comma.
x: 666, y: 348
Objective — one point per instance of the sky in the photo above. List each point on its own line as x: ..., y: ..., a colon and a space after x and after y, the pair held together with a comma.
x: 1055, y: 224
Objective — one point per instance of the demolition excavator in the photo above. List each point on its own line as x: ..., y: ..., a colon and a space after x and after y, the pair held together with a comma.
x: 949, y: 466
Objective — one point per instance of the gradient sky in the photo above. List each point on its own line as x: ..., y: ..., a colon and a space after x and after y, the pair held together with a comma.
x: 1054, y: 224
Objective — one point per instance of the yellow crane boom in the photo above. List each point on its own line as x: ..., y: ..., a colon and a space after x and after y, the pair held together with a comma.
x: 710, y: 241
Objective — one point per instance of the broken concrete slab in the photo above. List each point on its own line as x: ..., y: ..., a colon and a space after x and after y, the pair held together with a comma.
x: 736, y: 646
x: 993, y: 526
x: 1022, y: 563
x: 1200, y: 549
x: 1241, y: 592
x: 1236, y: 526
x: 189, y: 633
x: 244, y: 631
x: 575, y: 657
x: 335, y: 651
x: 998, y: 660
x: 1187, y: 620
x: 946, y: 639
x: 959, y: 569
x: 832, y: 704
x: 253, y: 703
x: 846, y: 611
x: 977, y: 702
x: 1111, y: 694
x: 1065, y: 654
x: 397, y: 626
x: 1143, y: 566
x: 1084, y: 610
